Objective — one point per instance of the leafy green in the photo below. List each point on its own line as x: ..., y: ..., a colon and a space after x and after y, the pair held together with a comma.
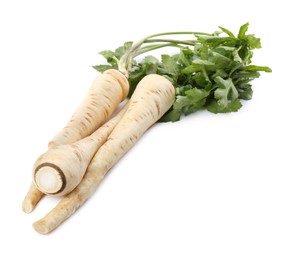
x: 225, y: 92
x: 242, y: 31
x: 257, y: 68
x: 233, y: 106
x: 227, y: 32
x: 113, y: 57
x: 102, y: 67
x: 215, y: 74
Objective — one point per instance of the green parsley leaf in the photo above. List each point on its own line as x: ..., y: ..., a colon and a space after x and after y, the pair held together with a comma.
x: 198, y: 65
x: 102, y: 68
x: 242, y: 31
x: 120, y: 51
x: 225, y: 92
x: 214, y: 74
x: 253, y: 42
x: 214, y: 107
x: 169, y: 65
x: 227, y: 32
x: 257, y: 68
x: 192, y: 100
x: 110, y: 57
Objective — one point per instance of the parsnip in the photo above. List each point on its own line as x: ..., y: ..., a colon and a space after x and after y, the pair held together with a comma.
x: 32, y: 198
x: 104, y: 96
x: 60, y: 169
x: 203, y: 78
x: 153, y: 96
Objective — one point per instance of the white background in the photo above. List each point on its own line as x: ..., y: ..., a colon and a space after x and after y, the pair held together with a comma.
x: 208, y: 187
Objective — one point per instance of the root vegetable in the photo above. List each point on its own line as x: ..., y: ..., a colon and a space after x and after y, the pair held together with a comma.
x: 215, y: 74
x: 153, y: 96
x: 104, y: 96
x: 60, y: 169
x: 32, y: 198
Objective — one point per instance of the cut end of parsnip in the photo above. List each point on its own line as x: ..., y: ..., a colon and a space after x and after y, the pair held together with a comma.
x: 49, y: 179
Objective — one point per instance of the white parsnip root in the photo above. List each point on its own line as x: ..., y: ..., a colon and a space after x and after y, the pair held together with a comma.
x: 106, y: 93
x: 60, y: 169
x: 104, y: 96
x: 153, y: 96
x: 80, y: 155
x: 31, y: 199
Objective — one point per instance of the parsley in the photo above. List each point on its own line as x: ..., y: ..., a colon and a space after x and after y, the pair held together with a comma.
x: 212, y: 72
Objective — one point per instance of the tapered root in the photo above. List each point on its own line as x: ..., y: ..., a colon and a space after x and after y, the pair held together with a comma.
x: 68, y: 205
x: 153, y: 96
x: 106, y: 93
x: 58, y: 171
x: 54, y: 218
x: 41, y: 227
x: 32, y: 198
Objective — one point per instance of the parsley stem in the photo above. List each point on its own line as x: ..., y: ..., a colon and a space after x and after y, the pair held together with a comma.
x: 186, y: 42
x: 125, y: 63
x: 174, y: 33
x: 152, y: 47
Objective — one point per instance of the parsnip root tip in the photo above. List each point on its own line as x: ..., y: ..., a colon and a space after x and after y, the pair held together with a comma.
x: 27, y: 206
x: 41, y: 227
x: 31, y: 199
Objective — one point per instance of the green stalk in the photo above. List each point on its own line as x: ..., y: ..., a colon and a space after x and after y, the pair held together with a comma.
x: 186, y: 42
x: 153, y: 47
x: 125, y: 63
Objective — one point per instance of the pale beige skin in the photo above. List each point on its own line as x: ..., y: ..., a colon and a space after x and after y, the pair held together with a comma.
x: 58, y: 171
x: 106, y: 93
x: 31, y: 199
x: 153, y: 96
x: 104, y: 96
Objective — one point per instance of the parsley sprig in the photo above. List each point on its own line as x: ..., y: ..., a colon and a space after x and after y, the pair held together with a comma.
x: 211, y: 71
